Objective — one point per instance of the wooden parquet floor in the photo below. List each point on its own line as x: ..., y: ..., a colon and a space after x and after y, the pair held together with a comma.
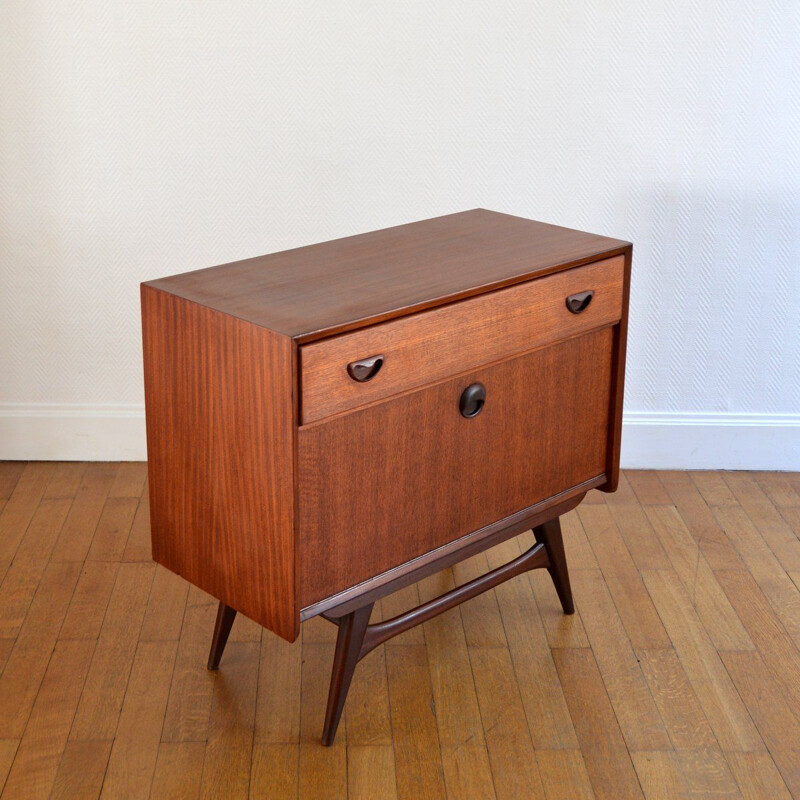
x: 679, y: 675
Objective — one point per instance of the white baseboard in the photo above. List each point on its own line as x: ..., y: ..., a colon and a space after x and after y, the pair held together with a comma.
x: 650, y: 440
x: 71, y: 432
x: 698, y: 440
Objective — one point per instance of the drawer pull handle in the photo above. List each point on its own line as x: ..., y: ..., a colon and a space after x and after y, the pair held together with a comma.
x: 472, y: 400
x: 580, y: 302
x: 365, y: 369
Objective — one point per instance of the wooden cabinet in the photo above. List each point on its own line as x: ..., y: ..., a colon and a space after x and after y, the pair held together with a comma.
x: 329, y: 423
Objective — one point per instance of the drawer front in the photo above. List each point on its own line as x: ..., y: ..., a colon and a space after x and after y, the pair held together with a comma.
x: 385, y: 484
x: 432, y: 345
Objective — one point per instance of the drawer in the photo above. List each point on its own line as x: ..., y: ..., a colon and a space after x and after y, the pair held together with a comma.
x: 432, y: 345
x: 382, y: 485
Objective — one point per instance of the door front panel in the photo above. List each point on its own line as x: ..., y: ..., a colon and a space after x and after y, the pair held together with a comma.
x: 387, y: 483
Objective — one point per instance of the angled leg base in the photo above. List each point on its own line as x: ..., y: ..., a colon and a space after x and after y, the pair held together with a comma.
x: 357, y: 637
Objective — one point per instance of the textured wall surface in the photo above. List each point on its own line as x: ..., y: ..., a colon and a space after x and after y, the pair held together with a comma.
x: 141, y: 139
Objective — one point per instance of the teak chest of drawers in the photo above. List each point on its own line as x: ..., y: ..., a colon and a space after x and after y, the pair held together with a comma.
x: 328, y: 424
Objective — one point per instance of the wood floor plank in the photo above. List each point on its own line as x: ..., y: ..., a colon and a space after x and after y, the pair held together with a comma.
x: 458, y: 717
x: 81, y: 771
x: 31, y: 654
x: 757, y: 776
x: 138, y: 547
x: 677, y: 702
x: 10, y: 472
x: 166, y: 607
x: 367, y: 707
x: 36, y: 763
x: 791, y: 516
x: 624, y: 582
x: 686, y: 773
x: 713, y: 488
x: 607, y: 760
x: 113, y: 528
x: 627, y: 688
x: 88, y: 605
x: 189, y: 701
x: 647, y: 487
x: 22, y: 504
x: 278, y: 704
x: 562, y: 630
x: 228, y: 759
x: 39, y: 539
x: 84, y: 514
x: 483, y: 626
x: 679, y: 675
x: 766, y: 702
x: 418, y: 762
x: 66, y: 479
x: 8, y: 749
x: 767, y: 519
x: 135, y: 750
x: 129, y: 480
x: 546, y: 710
x: 720, y: 701
x: 323, y: 770
x: 25, y: 573
x: 6, y: 645
x: 467, y: 772
x: 101, y: 701
x: 564, y: 775
x: 274, y: 775
x: 715, y: 612
x: 508, y: 740
x: 780, y: 653
x: 645, y: 548
x: 700, y: 521
x: 179, y: 769
x: 780, y: 489
x: 370, y: 772
x: 778, y: 587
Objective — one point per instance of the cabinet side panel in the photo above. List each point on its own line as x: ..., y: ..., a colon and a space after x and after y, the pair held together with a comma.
x: 220, y: 425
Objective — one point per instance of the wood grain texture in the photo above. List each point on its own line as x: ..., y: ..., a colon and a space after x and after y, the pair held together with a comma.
x: 220, y: 426
x: 411, y: 727
x: 371, y: 482
x: 348, y: 283
x: 426, y: 347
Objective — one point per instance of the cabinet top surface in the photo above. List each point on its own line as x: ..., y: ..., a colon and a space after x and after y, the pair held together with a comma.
x: 347, y: 283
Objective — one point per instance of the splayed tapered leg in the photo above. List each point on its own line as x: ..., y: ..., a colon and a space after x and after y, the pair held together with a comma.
x: 549, y: 534
x: 222, y: 629
x: 352, y: 628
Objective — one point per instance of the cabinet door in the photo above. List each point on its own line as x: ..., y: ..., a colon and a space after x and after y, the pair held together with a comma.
x: 387, y: 483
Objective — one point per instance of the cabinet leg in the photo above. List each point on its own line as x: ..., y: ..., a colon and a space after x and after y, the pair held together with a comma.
x: 222, y: 629
x: 352, y: 628
x: 549, y: 534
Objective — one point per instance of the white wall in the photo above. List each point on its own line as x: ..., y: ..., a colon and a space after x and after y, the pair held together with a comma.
x: 146, y: 138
